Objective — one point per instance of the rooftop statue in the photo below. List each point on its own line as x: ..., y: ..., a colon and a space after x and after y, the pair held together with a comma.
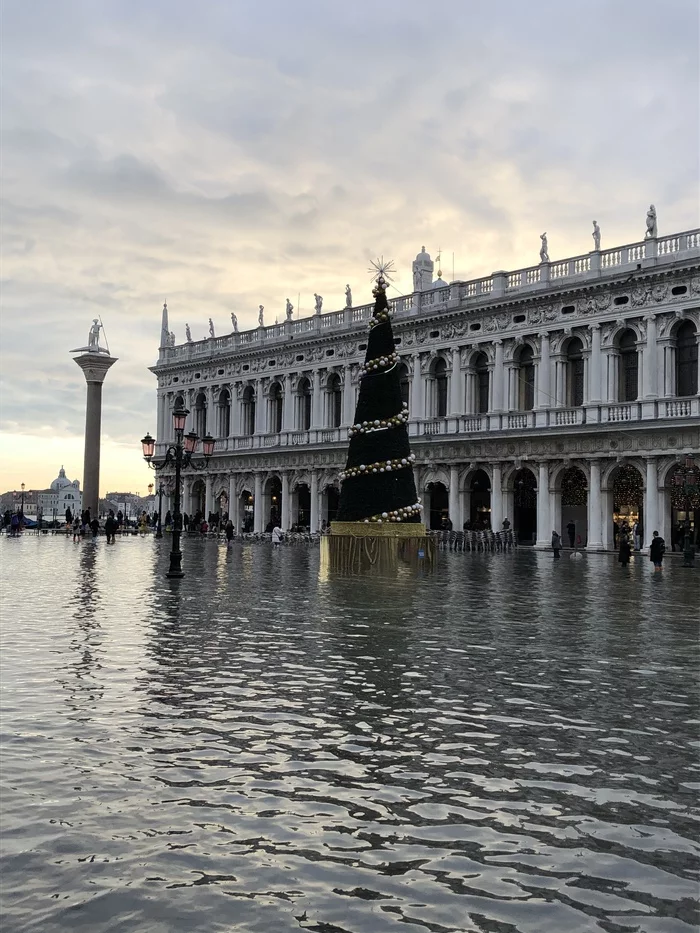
x: 544, y: 249
x: 234, y: 321
x: 596, y: 235
x: 261, y: 319
x: 211, y: 328
x: 188, y: 333
x: 348, y: 297
x: 319, y: 303
x: 651, y: 223
x: 289, y: 309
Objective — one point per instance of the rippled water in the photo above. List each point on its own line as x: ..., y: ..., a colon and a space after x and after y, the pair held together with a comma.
x: 508, y: 744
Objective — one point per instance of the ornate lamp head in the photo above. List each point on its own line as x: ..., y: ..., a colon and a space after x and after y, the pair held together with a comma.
x: 148, y: 445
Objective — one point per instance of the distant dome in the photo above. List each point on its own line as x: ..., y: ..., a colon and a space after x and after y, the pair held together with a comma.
x: 423, y: 257
x: 60, y: 480
x: 439, y: 283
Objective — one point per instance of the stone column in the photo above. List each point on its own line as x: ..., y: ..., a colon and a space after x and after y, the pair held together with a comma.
x: 543, y: 374
x: 417, y: 409
x: 288, y: 410
x: 316, y: 413
x: 456, y: 384
x: 160, y: 417
x: 649, y: 360
x: 348, y: 407
x: 470, y: 406
x: 286, y: 510
x: 260, y: 413
x: 669, y: 369
x: 595, y: 510
x: 595, y: 381
x: 258, y: 516
x: 235, y: 410
x: 498, y: 377
x: 453, y: 499
x: 94, y: 367
x: 544, y: 532
x: 511, y: 387
x: 232, y: 512
x: 209, y: 495
x: 314, y: 523
x: 651, y: 501
x: 496, y: 497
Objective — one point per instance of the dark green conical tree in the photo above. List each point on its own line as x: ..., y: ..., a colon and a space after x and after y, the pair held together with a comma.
x: 377, y: 483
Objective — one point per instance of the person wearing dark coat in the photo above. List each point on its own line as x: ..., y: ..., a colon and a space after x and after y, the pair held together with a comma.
x: 625, y: 550
x: 556, y: 544
x: 656, y: 551
x: 571, y: 531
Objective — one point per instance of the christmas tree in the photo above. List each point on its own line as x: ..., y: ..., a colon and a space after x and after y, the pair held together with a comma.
x: 377, y: 483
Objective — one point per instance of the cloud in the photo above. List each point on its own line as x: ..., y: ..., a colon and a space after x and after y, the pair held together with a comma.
x: 235, y: 154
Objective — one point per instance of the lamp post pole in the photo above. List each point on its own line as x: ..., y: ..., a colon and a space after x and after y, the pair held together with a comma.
x: 21, y: 508
x: 180, y: 454
x: 159, y: 526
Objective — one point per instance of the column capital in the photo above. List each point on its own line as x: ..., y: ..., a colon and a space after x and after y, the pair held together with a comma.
x: 594, y: 326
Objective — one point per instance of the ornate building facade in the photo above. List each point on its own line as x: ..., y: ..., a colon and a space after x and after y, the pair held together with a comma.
x: 564, y: 392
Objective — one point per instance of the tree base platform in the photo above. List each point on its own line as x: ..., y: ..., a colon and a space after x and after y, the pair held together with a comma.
x: 356, y: 547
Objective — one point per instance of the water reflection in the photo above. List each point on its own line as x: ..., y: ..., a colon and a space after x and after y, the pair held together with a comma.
x: 504, y: 744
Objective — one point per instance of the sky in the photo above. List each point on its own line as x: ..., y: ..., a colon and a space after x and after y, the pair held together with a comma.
x: 222, y: 155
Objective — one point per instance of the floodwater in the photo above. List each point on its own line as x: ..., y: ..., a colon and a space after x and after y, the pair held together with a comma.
x: 506, y: 744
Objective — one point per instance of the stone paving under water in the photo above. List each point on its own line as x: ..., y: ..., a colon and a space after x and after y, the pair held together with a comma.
x: 506, y: 744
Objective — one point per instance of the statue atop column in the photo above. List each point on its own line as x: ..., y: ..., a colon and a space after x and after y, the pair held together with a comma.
x: 289, y: 309
x: 261, y: 320
x: 596, y: 236
x: 93, y: 344
x: 544, y: 249
x: 188, y: 333
x: 651, y: 223
x: 319, y: 303
x: 348, y: 297
x: 234, y: 321
x: 94, y: 335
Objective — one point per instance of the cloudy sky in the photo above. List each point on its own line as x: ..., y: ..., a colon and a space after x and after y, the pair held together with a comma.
x: 227, y: 154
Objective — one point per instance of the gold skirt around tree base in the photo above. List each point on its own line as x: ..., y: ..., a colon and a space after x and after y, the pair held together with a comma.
x: 354, y: 547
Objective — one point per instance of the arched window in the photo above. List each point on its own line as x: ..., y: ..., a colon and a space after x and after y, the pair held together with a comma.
x: 404, y: 383
x: 224, y: 413
x: 686, y: 359
x: 335, y: 401
x: 200, y: 414
x: 481, y: 368
x: 526, y: 379
x: 574, y: 373
x: 440, y: 388
x: 276, y: 403
x: 304, y: 405
x: 248, y: 410
x: 629, y: 367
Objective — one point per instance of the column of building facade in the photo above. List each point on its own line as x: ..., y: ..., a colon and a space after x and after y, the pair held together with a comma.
x: 649, y: 360
x: 496, y: 380
x: 595, y: 393
x: 286, y: 510
x: 316, y: 413
x: 496, y: 497
x: 209, y: 495
x: 543, y: 374
x: 456, y: 383
x: 416, y: 404
x: 232, y: 510
x: 544, y: 532
x: 314, y: 493
x: 453, y: 502
x: 260, y: 413
x: 258, y: 517
x: 348, y: 407
x: 651, y: 501
x: 595, y: 509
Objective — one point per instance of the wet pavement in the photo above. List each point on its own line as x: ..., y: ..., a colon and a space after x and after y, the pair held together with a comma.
x: 506, y: 744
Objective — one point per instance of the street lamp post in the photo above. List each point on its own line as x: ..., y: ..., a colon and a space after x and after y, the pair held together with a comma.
x: 180, y: 454
x: 21, y: 508
x: 686, y: 481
